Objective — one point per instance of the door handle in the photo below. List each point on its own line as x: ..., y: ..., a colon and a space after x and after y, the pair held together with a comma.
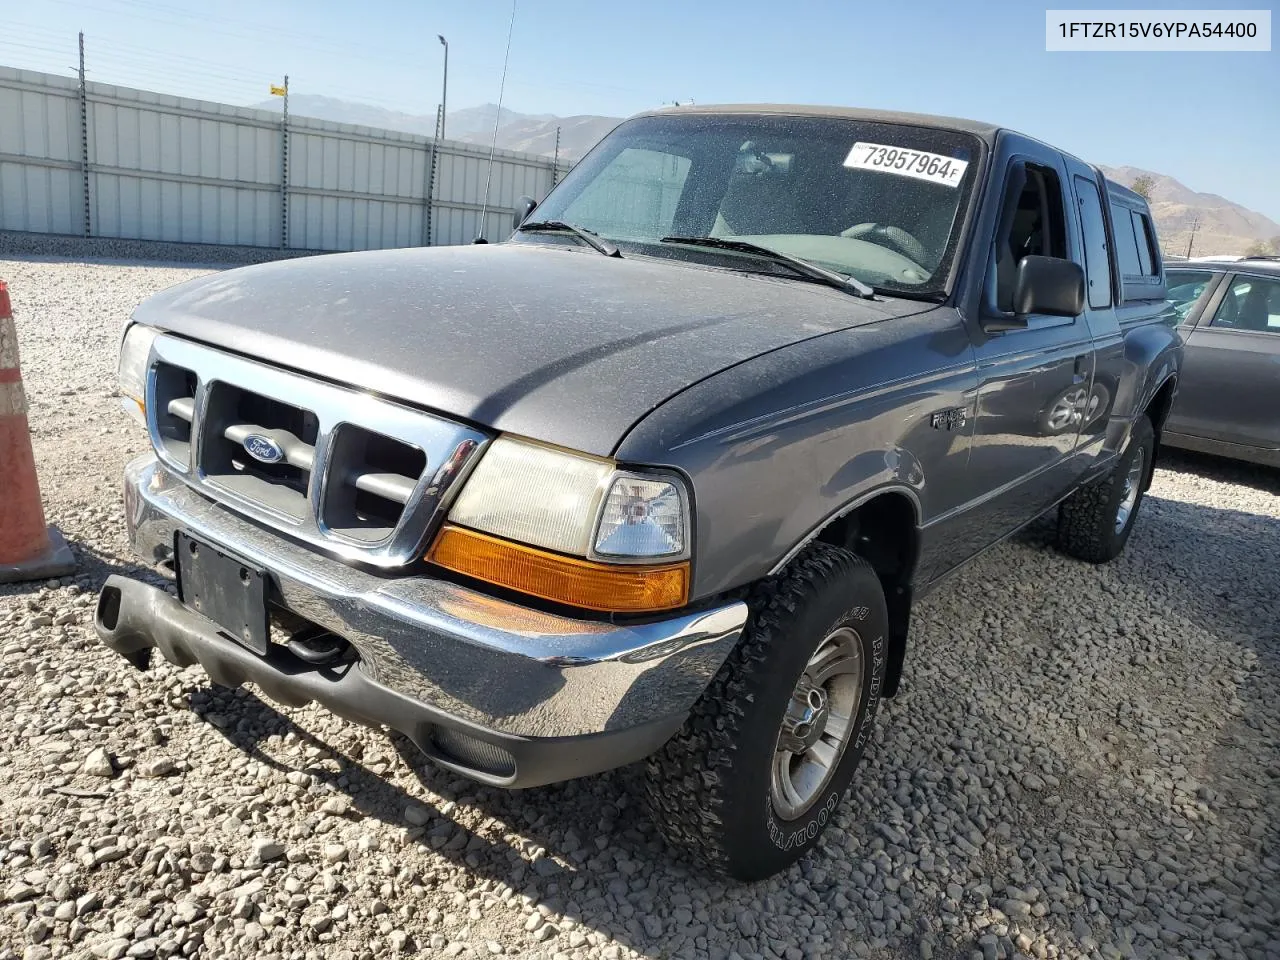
x: 1082, y: 369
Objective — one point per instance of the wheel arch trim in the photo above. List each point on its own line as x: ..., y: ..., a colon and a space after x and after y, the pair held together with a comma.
x: 843, y: 511
x: 1169, y: 380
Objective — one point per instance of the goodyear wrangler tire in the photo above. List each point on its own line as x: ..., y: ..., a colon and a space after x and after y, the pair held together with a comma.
x: 753, y: 778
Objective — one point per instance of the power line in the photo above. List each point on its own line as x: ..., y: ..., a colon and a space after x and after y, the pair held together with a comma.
x: 218, y: 27
x: 344, y: 47
x: 109, y: 62
x: 171, y: 73
x: 132, y: 64
x: 300, y: 42
x: 40, y: 48
x: 119, y: 57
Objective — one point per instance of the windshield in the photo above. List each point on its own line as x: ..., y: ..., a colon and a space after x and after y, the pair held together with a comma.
x: 882, y: 202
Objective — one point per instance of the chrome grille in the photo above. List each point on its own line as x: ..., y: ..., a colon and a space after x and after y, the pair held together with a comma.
x: 371, y: 479
x: 336, y: 467
x: 230, y: 416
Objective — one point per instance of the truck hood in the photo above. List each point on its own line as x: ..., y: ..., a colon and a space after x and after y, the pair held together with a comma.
x: 552, y: 342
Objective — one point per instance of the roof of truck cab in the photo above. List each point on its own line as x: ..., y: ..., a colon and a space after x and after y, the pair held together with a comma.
x: 987, y: 131
x: 1120, y: 191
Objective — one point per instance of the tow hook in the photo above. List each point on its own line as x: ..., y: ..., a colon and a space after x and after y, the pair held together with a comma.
x: 318, y: 647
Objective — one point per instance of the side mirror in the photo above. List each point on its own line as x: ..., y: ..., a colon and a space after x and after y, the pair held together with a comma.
x: 1048, y: 285
x: 524, y: 207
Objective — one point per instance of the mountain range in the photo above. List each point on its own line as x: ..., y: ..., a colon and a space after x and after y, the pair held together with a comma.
x: 527, y: 132
x: 1221, y: 226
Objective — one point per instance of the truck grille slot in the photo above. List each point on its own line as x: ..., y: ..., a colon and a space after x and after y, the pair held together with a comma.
x: 371, y: 479
x: 242, y: 431
x: 337, y: 468
x: 297, y: 452
x: 175, y: 392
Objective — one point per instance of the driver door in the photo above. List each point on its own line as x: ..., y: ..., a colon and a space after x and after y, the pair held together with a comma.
x: 1030, y: 377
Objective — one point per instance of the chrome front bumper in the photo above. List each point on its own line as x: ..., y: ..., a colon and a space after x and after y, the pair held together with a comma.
x: 497, y: 669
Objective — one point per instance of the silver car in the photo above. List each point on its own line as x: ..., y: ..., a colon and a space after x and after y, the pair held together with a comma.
x: 1228, y: 399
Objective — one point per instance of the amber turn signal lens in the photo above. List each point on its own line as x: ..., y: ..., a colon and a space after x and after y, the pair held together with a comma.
x: 622, y: 588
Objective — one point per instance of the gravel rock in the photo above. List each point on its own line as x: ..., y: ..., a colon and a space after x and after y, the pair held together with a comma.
x: 156, y: 768
x: 417, y: 815
x: 98, y: 764
x: 1070, y: 742
x: 334, y: 853
x: 336, y: 807
x: 18, y: 892
x: 264, y: 849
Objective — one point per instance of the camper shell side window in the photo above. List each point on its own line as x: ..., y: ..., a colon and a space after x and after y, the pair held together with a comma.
x: 1136, y: 252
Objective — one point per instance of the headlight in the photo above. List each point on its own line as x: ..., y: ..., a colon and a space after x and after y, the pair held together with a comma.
x: 132, y: 369
x: 570, y: 528
x: 539, y: 495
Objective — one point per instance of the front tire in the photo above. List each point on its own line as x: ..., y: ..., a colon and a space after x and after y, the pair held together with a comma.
x: 753, y: 778
x: 1094, y: 523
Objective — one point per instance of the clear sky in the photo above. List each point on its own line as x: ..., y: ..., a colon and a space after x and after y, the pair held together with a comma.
x: 1210, y: 120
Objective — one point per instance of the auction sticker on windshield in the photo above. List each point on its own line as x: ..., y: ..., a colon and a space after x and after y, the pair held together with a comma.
x: 903, y: 162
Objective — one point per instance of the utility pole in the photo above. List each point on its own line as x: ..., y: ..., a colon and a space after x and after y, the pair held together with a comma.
x: 84, y: 140
x: 284, y: 161
x: 444, y: 92
x: 555, y: 163
x: 1190, y: 243
x: 429, y: 189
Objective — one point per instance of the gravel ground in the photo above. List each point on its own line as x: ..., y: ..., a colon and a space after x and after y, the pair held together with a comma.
x: 14, y: 243
x: 1082, y: 762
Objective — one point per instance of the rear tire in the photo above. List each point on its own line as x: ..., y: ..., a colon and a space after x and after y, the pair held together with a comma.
x: 753, y: 778
x: 1094, y: 523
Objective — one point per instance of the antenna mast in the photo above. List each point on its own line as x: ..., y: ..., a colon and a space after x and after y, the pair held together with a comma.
x: 497, y: 119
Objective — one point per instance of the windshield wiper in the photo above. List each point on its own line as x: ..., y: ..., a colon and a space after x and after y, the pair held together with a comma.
x: 589, y: 237
x: 803, y: 267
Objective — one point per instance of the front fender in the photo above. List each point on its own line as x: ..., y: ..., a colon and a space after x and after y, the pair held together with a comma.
x: 780, y: 446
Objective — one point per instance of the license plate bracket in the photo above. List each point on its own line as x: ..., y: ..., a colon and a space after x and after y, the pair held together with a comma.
x: 230, y: 591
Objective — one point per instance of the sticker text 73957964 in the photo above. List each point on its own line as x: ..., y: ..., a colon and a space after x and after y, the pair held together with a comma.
x: 904, y: 162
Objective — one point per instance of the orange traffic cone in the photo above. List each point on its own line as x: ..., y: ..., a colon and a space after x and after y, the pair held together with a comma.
x: 28, y: 549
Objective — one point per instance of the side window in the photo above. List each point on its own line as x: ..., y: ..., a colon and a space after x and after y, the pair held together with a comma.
x: 1097, y: 262
x: 1135, y: 243
x: 1126, y: 242
x: 1185, y: 288
x: 1038, y: 229
x: 1251, y: 304
x: 636, y: 195
x: 1145, y: 238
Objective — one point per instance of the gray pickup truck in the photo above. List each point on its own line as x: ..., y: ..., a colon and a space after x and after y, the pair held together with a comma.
x: 662, y: 475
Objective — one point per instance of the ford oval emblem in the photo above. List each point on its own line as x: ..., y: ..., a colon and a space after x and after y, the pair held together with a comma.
x: 263, y: 448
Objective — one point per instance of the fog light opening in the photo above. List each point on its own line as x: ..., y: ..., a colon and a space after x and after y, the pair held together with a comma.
x: 472, y: 752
